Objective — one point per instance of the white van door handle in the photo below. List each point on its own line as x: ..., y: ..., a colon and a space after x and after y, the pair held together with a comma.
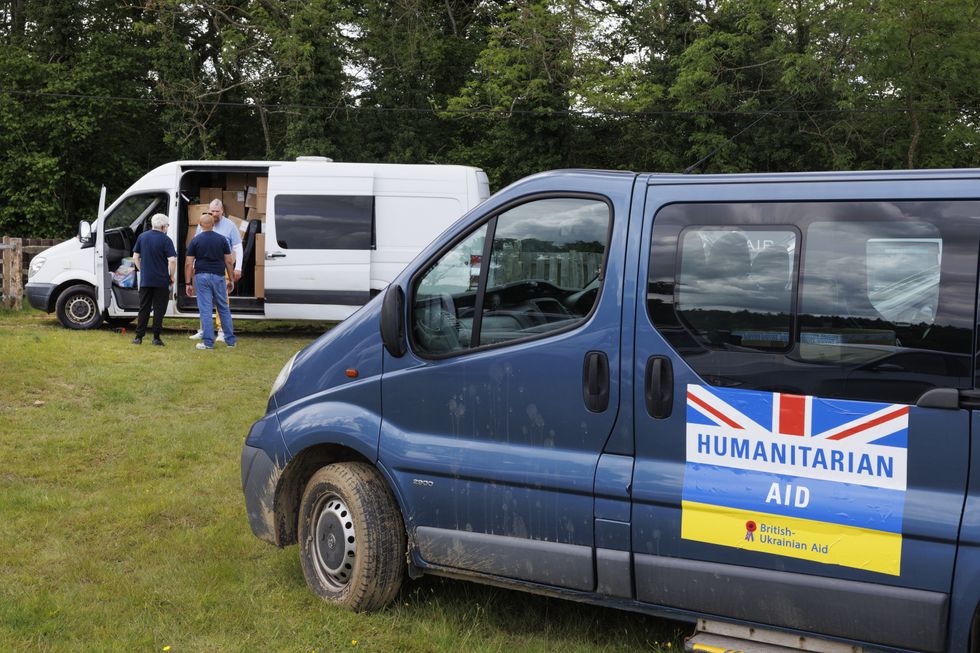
x: 272, y: 255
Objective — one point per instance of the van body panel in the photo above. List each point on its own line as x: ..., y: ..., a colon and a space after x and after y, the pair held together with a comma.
x: 297, y: 274
x: 930, y: 504
x: 553, y: 563
x: 475, y: 416
x: 410, y: 205
x: 66, y: 263
x: 780, y: 313
x: 348, y: 409
x: 966, y: 578
x: 837, y: 608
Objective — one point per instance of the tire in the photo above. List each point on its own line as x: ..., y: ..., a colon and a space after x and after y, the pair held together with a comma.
x: 77, y: 308
x: 351, y: 537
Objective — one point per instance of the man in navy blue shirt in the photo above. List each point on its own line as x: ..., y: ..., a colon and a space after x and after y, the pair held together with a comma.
x: 208, y: 258
x: 156, y: 259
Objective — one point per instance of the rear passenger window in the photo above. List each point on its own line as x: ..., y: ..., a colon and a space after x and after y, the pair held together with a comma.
x: 324, y: 221
x: 868, y: 286
x: 860, y: 300
x: 530, y: 271
x: 736, y: 286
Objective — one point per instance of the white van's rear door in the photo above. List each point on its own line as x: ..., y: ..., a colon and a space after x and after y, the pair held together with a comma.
x: 319, y: 236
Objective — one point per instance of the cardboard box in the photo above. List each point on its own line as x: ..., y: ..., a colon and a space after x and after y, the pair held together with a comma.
x: 250, y: 179
x: 259, y: 280
x: 190, y: 236
x: 260, y: 201
x: 234, y: 202
x: 262, y: 185
x: 250, y: 199
x: 253, y: 214
x: 260, y: 265
x: 208, y: 194
x: 236, y: 181
x: 194, y: 212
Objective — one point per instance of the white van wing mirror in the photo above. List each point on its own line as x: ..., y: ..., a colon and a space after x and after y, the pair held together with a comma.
x: 84, y: 231
x: 393, y: 321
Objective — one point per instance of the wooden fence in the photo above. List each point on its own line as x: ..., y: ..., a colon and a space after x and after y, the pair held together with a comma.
x: 16, y: 260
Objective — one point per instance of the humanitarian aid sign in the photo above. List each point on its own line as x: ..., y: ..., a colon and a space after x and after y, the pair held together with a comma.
x: 817, y: 479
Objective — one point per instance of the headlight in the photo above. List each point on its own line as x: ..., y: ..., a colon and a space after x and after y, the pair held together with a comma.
x: 283, y: 375
x: 36, y: 264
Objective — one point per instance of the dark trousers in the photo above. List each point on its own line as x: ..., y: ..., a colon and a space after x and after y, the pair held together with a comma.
x: 156, y: 299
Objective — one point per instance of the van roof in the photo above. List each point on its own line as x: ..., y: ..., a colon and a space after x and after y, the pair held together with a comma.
x: 803, y: 177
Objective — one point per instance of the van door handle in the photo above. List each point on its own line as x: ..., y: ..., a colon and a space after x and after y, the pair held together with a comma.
x: 271, y: 255
x: 659, y: 387
x: 595, y: 381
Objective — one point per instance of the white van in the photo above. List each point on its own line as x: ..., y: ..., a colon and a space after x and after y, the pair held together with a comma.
x: 320, y: 238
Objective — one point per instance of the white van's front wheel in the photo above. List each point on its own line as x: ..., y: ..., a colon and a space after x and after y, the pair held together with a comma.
x: 78, y: 309
x: 351, y: 538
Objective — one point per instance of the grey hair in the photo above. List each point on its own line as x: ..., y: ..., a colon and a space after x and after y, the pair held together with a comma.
x: 160, y: 220
x: 217, y: 203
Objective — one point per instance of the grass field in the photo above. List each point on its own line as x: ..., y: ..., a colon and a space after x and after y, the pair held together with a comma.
x: 122, y: 525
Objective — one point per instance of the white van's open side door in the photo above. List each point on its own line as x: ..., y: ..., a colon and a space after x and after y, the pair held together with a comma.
x: 103, y: 280
x: 319, y: 237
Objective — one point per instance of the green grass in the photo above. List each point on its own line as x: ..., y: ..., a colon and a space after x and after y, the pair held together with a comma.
x: 122, y: 524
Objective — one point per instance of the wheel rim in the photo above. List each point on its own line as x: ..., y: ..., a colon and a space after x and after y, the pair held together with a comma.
x: 80, y: 309
x: 334, y: 542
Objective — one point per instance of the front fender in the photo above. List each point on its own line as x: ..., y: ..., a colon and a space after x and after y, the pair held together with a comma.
x: 73, y: 277
x: 345, y: 423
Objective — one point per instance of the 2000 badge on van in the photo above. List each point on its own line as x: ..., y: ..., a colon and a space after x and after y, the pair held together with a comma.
x: 746, y: 401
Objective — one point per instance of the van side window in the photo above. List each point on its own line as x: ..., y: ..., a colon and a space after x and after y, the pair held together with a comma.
x: 451, y: 280
x: 324, y: 221
x: 858, y: 300
x: 132, y: 211
x: 736, y: 286
x: 868, y: 286
x: 541, y: 273
x: 129, y: 219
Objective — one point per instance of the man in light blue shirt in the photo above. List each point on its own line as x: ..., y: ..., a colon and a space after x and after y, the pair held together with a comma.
x: 229, y: 230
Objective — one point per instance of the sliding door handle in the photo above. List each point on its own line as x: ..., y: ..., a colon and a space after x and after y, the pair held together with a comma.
x: 658, y: 387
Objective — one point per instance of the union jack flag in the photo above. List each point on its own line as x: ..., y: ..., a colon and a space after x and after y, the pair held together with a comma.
x: 778, y: 414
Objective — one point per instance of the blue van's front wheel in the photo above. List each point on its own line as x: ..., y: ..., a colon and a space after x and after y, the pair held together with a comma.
x: 351, y: 539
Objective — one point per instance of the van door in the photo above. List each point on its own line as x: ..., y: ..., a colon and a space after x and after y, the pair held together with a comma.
x: 790, y: 467
x: 102, y: 279
x: 319, y: 237
x: 495, y: 419
x: 117, y: 234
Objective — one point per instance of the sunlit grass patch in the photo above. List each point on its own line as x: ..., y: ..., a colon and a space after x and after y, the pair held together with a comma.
x: 122, y: 522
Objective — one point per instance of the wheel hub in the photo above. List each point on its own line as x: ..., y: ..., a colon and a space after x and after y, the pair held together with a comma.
x: 334, y: 543
x: 80, y: 309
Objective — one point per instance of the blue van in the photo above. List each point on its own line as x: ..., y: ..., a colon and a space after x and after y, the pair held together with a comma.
x: 744, y: 401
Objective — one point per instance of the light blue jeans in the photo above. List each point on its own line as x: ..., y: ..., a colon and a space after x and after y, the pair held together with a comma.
x: 211, y: 291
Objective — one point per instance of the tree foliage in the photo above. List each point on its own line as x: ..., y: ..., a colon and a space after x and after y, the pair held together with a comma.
x: 97, y: 92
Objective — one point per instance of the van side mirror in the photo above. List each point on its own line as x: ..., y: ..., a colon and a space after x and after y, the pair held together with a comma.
x: 84, y: 231
x: 393, y: 321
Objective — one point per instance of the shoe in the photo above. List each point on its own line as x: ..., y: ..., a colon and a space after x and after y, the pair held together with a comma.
x: 197, y: 336
x: 137, y: 340
x: 201, y: 345
x: 231, y: 346
x: 158, y: 342
x: 221, y: 337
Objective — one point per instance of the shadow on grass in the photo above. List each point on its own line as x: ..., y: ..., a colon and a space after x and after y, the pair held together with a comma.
x: 522, y: 614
